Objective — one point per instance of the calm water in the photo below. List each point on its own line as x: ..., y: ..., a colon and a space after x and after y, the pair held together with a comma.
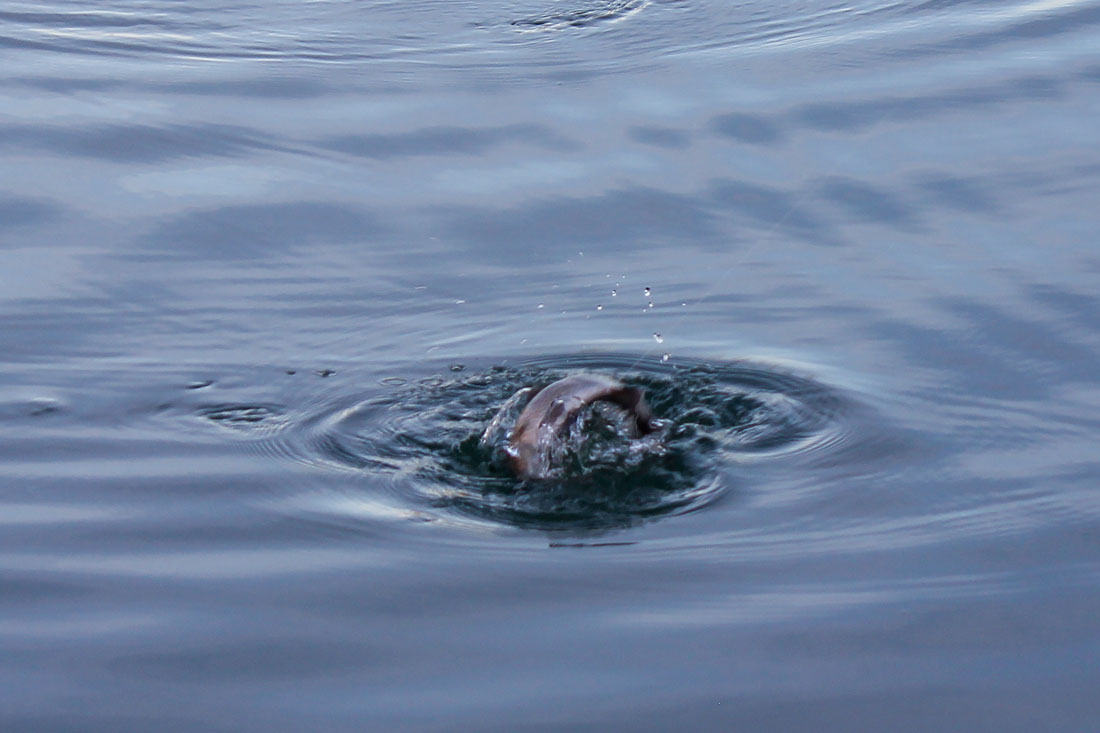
x: 267, y: 271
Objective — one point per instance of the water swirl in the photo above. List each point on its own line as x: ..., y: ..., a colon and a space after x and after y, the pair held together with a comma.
x: 422, y: 439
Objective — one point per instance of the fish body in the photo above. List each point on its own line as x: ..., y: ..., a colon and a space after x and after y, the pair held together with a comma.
x: 557, y: 405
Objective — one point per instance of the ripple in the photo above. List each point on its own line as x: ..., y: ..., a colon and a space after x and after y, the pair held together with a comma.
x: 510, y: 37
x: 423, y: 438
x: 439, y: 44
x: 244, y: 417
x: 580, y: 14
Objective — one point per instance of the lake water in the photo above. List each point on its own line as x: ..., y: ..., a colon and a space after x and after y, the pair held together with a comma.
x: 267, y: 270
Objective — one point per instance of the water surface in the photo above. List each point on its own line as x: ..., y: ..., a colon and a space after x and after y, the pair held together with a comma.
x: 268, y: 270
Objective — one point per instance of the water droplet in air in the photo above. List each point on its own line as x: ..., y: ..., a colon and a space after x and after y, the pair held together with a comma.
x: 540, y: 306
x: 666, y: 357
x: 648, y: 292
x: 599, y: 307
x: 651, y: 304
x: 659, y: 338
x: 614, y: 293
x: 459, y: 302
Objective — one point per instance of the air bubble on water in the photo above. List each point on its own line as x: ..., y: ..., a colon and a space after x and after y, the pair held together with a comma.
x: 614, y: 293
x: 660, y: 339
x: 599, y: 307
x: 648, y: 292
x: 651, y: 304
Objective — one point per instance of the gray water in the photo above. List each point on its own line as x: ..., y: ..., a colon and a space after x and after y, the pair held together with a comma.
x: 267, y: 271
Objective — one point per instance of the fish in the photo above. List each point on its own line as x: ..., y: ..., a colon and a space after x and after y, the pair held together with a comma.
x: 555, y: 407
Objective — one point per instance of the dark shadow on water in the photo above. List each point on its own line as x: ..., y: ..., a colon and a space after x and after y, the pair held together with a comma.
x: 137, y: 143
x: 21, y: 211
x: 1055, y: 21
x: 262, y: 659
x: 259, y: 88
x: 84, y: 19
x: 1031, y: 344
x: 1083, y: 309
x: 748, y: 128
x: 859, y: 114
x: 970, y: 366
x: 785, y: 211
x: 552, y: 230
x: 64, y: 85
x: 932, y: 5
x: 662, y: 137
x: 855, y: 114
x: 970, y: 195
x: 256, y: 230
x: 445, y: 141
x: 1092, y: 73
x: 866, y: 203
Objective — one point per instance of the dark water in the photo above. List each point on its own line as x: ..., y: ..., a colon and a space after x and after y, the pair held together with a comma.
x: 268, y: 270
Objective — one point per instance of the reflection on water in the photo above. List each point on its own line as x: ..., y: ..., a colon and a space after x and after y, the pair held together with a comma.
x: 267, y: 271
